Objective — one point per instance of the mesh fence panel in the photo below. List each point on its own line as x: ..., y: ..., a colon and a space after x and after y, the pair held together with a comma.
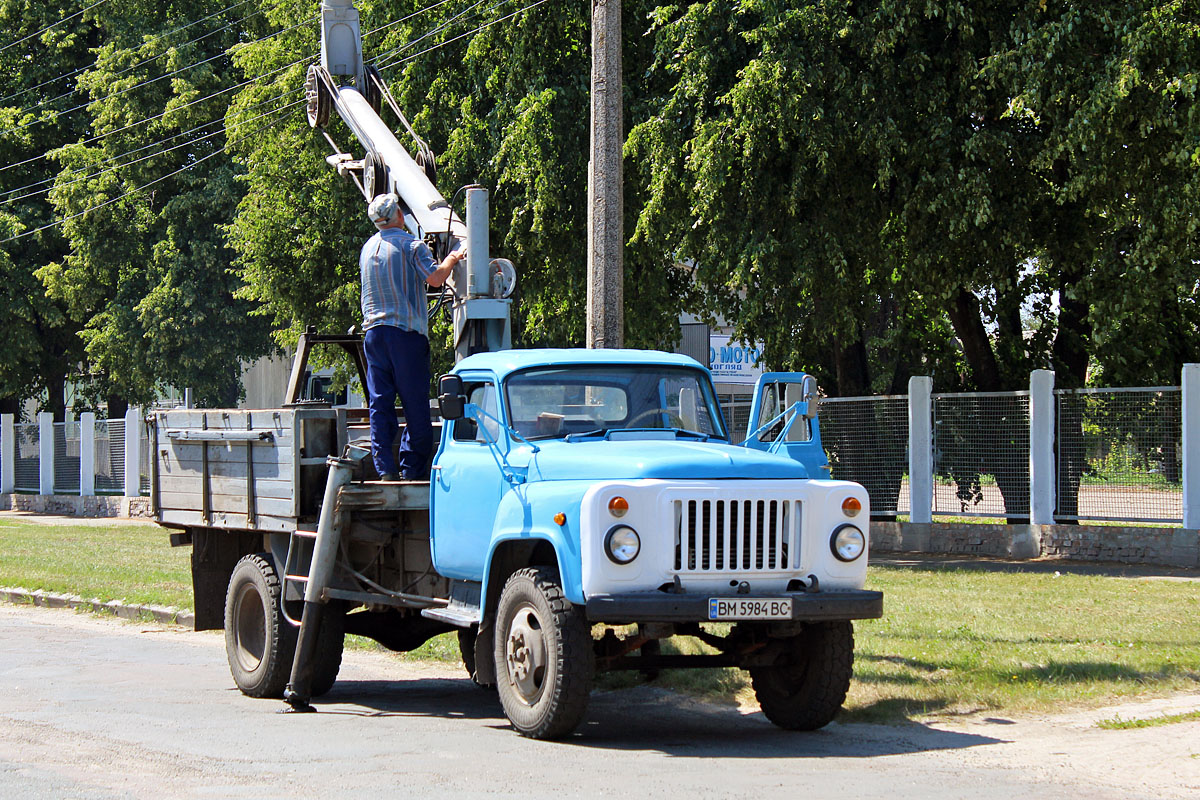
x: 981, y: 454
x: 735, y: 408
x: 866, y: 439
x: 66, y: 457
x: 1120, y: 454
x: 110, y: 456
x: 144, y: 448
x: 27, y: 465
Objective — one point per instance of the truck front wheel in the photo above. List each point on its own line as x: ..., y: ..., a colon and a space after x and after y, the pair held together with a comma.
x: 805, y: 689
x: 544, y: 656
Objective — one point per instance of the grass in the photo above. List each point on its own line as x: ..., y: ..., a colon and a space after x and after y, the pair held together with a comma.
x: 952, y: 641
x: 111, y: 562
x: 1119, y: 724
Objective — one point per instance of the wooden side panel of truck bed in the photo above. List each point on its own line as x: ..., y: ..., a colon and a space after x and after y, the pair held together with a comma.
x: 242, y: 469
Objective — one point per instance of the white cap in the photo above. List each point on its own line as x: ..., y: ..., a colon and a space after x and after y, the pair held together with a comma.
x: 384, y: 209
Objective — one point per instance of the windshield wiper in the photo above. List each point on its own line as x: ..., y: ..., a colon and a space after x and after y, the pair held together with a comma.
x: 608, y: 432
x: 570, y: 437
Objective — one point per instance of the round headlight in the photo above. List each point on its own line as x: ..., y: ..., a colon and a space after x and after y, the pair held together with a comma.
x: 847, y: 542
x: 622, y: 544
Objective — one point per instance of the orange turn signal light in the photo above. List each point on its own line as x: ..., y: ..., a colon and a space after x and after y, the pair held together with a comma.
x: 851, y: 506
x: 560, y: 518
x: 618, y: 506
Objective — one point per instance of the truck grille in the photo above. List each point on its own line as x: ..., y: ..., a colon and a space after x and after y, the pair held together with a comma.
x: 736, y: 535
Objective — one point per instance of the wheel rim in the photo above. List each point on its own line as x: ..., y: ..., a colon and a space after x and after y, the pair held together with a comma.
x: 251, y: 633
x: 526, y: 654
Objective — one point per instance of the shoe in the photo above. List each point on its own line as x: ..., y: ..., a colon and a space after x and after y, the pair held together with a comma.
x: 390, y: 477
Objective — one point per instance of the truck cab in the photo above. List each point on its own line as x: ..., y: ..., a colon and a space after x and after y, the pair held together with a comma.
x: 616, y: 468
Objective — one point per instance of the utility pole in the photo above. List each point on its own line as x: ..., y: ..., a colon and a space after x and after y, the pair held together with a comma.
x: 606, y: 240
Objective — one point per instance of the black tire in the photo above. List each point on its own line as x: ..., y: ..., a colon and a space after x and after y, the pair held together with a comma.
x: 328, y: 656
x: 806, y: 688
x: 259, y: 641
x: 651, y: 648
x: 544, y: 656
x: 466, y: 646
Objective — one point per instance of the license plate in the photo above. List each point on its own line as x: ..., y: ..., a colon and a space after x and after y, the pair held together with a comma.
x: 749, y: 608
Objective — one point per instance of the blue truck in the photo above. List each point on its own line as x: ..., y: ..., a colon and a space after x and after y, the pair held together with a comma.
x: 583, y: 507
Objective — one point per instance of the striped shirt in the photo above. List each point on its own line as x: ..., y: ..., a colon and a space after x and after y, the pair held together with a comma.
x: 394, y: 265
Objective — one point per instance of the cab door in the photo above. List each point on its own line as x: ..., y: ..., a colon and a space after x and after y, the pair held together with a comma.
x: 783, y: 419
x: 466, y: 486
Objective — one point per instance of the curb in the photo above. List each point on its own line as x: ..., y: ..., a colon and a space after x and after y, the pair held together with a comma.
x: 164, y: 614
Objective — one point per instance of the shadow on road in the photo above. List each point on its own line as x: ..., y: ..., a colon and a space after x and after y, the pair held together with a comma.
x: 645, y: 718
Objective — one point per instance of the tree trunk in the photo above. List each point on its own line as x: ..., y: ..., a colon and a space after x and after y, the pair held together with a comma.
x: 117, y: 406
x: 851, y: 369
x: 967, y: 319
x: 56, y: 403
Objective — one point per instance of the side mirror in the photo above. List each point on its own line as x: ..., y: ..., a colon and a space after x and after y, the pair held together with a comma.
x: 810, y: 396
x: 451, y: 399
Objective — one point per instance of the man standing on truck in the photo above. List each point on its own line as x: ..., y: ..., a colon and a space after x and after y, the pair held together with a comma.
x: 395, y: 266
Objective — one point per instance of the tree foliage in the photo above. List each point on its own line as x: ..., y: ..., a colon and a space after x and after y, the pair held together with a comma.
x: 872, y: 188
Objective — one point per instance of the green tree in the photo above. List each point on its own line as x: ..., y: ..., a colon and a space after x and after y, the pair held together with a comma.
x: 505, y: 107
x: 42, y: 349
x: 145, y: 199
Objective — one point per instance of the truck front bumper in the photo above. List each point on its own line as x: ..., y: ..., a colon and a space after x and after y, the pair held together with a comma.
x: 664, y: 607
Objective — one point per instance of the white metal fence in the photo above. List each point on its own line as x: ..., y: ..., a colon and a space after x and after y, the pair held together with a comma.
x: 1043, y: 455
x: 82, y: 457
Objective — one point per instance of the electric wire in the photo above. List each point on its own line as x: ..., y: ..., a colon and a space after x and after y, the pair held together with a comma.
x: 117, y: 156
x: 169, y: 138
x: 53, y: 25
x: 116, y: 167
x: 225, y: 147
x: 162, y: 114
x: 462, y: 35
x: 379, y: 57
x: 148, y: 184
x: 395, y: 22
x: 125, y: 50
x: 81, y: 106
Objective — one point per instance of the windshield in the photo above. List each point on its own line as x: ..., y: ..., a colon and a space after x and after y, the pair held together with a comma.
x: 551, y: 402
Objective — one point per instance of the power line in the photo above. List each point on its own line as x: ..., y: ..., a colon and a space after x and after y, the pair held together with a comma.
x: 412, y: 43
x: 148, y: 184
x: 460, y: 36
x: 242, y: 122
x: 52, y: 25
x: 81, y: 106
x: 111, y: 159
x: 240, y: 85
x: 162, y: 114
x: 393, y: 23
x: 115, y: 53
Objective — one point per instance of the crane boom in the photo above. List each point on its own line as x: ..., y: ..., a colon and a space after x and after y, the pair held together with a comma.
x: 343, y: 83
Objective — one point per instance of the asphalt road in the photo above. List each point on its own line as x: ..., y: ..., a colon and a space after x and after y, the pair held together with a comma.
x: 98, y: 708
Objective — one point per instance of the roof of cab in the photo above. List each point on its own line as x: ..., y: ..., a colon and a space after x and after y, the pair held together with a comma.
x: 507, y: 361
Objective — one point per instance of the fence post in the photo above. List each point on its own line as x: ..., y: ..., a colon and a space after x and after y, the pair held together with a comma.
x: 46, y: 453
x: 920, y: 449
x: 1041, y: 447
x: 133, y: 452
x: 8, y: 454
x: 1191, y: 446
x: 87, y: 453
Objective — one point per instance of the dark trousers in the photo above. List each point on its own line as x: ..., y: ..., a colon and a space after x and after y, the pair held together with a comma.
x: 398, y: 363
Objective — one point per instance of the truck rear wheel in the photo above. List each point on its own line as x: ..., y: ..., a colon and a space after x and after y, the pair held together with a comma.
x: 544, y: 655
x: 806, y: 688
x: 260, y: 643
